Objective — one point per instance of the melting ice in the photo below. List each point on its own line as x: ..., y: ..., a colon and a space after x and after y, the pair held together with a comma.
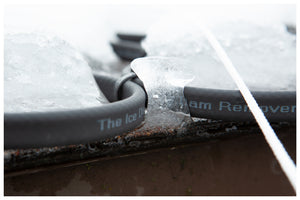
x: 264, y: 52
x: 45, y: 73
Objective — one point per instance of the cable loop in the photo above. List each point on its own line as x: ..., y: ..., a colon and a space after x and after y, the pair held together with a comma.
x: 119, y: 83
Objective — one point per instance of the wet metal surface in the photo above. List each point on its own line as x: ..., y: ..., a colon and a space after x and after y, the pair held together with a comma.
x: 240, y: 165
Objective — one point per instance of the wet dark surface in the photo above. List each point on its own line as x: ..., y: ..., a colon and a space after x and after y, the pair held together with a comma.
x: 240, y: 165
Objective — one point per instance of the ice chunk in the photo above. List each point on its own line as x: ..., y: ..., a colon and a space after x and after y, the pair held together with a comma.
x: 264, y: 52
x: 164, y: 79
x: 265, y: 55
x: 45, y: 73
x: 87, y: 27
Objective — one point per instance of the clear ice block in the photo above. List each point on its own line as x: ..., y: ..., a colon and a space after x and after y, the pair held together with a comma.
x: 45, y: 73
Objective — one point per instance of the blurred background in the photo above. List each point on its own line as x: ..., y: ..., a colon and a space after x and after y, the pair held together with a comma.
x: 90, y: 27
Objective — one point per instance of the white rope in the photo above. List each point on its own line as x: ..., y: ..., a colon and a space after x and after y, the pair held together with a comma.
x: 279, y: 151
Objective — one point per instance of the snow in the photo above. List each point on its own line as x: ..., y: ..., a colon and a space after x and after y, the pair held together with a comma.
x: 44, y: 73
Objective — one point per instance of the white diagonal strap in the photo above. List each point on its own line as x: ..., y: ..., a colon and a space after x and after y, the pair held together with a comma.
x: 285, y: 161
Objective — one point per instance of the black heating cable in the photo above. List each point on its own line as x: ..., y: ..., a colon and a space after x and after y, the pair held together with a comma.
x: 127, y: 109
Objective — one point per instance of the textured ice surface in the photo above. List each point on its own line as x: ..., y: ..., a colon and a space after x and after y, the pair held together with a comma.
x: 45, y: 73
x: 263, y: 52
x: 164, y: 79
x: 89, y: 28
